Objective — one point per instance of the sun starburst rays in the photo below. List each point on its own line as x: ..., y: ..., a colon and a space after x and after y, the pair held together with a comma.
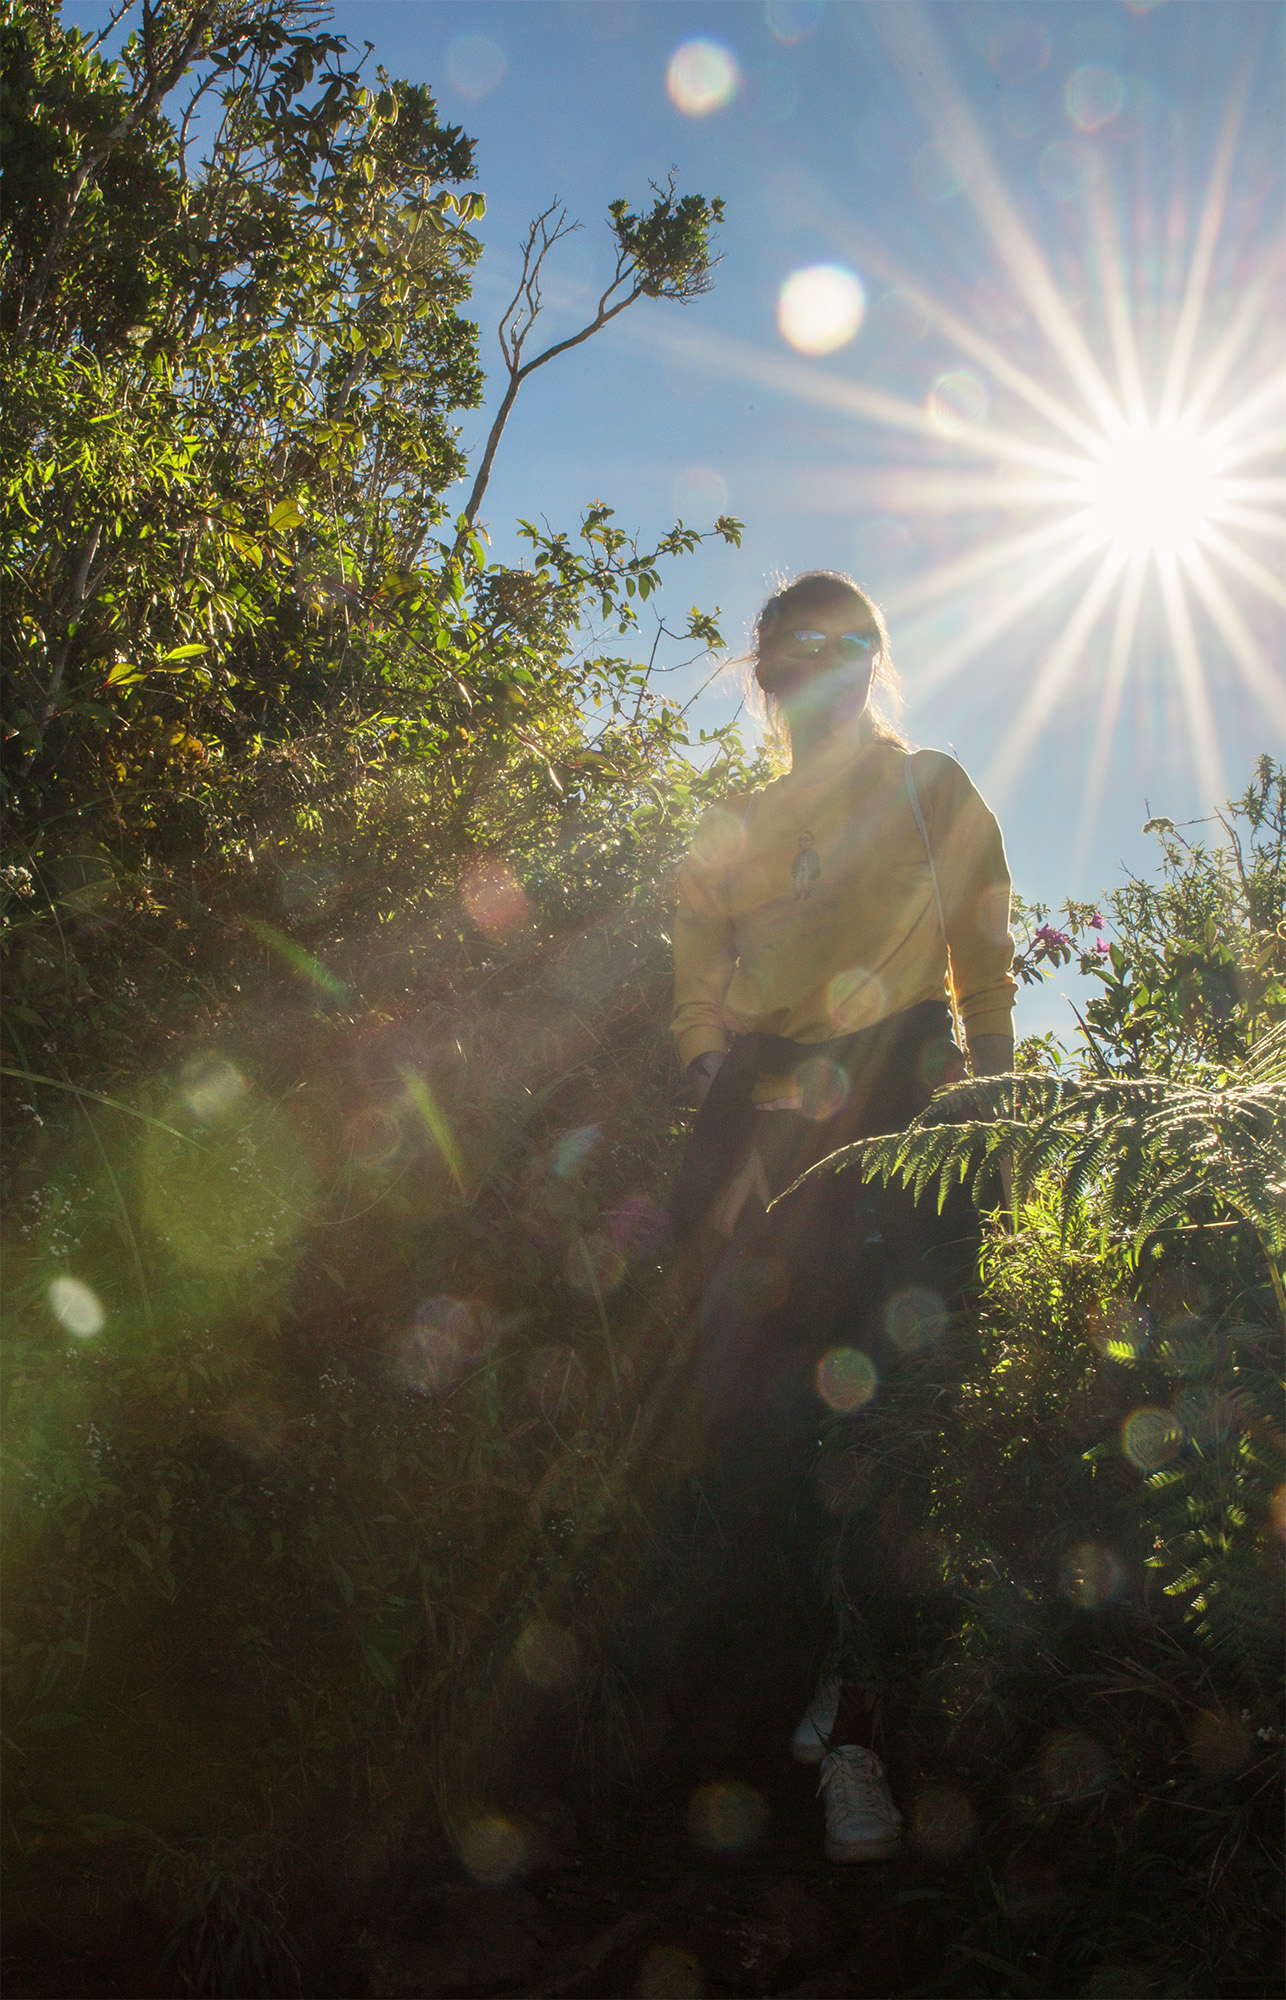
x: 1154, y: 483
x: 1114, y: 511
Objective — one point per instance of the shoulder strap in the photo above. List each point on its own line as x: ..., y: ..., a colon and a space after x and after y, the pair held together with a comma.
x: 918, y: 810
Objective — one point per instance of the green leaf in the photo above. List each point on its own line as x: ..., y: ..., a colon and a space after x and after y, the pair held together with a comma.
x: 378, y: 1664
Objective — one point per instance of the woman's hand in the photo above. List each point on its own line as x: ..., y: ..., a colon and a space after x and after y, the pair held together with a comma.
x: 703, y: 1070
x: 991, y: 1055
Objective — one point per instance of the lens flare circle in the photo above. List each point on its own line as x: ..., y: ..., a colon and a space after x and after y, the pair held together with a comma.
x: 699, y: 490
x: 821, y: 308
x: 1092, y: 97
x: 1150, y: 1438
x: 846, y: 1379
x: 957, y: 399
x: 702, y: 77
x: 494, y: 1851
x: 726, y: 1818
x: 942, y: 1822
x: 790, y: 20
x: 475, y: 65
x: 915, y: 1319
x: 77, y: 1309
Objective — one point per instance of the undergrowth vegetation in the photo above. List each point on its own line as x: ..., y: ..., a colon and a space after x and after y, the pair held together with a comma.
x: 351, y: 1479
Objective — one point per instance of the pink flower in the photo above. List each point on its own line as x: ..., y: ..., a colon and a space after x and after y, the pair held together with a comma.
x: 1096, y: 921
x: 1101, y: 946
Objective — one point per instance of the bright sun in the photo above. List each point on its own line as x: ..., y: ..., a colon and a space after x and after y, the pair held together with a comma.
x: 1150, y: 492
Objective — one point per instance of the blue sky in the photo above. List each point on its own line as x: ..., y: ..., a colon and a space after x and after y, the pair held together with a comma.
x: 1052, y: 446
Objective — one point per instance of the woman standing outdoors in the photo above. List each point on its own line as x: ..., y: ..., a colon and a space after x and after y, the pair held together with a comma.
x: 823, y: 925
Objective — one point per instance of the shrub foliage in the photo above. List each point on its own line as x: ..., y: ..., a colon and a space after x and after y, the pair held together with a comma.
x: 350, y: 1462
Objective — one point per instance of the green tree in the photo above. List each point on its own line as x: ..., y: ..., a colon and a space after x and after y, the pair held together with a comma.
x: 229, y: 383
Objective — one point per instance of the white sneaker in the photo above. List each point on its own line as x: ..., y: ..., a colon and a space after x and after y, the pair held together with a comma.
x: 862, y: 1822
x: 809, y: 1743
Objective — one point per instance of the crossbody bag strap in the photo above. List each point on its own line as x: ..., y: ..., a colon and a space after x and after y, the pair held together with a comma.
x: 914, y: 796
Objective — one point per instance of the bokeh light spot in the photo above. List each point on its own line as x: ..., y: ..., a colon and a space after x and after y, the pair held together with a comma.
x: 304, y: 887
x: 823, y: 1088
x: 993, y: 915
x: 702, y: 77
x: 211, y: 1088
x: 726, y: 1818
x: 790, y: 20
x: 998, y: 308
x: 77, y: 1309
x: 236, y: 1200
x: 548, y: 1655
x: 1066, y: 169
x: 494, y: 1852
x: 1189, y: 1348
x: 1219, y: 1744
x: 442, y: 1344
x: 571, y: 1150
x: 854, y: 999
x: 594, y: 1264
x: 940, y: 1062
x: 942, y: 1822
x: 720, y: 838
x: 638, y: 1227
x: 820, y: 308
x: 885, y: 543
x: 915, y: 1319
x: 1204, y: 1415
x: 844, y: 1481
x: 898, y: 317
x: 1119, y: 1329
x: 957, y: 399
x: 938, y: 174
x: 475, y: 65
x: 374, y: 1137
x: 1020, y: 114
x: 557, y: 1382
x: 1091, y: 1576
x: 255, y: 1427
x: 669, y: 1972
x: 921, y: 1564
x: 1151, y: 1438
x: 846, y: 1379
x: 1074, y: 1766
x: 494, y: 898
x: 1092, y: 96
x: 699, y: 491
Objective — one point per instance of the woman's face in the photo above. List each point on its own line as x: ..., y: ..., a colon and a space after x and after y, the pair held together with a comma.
x: 820, y: 662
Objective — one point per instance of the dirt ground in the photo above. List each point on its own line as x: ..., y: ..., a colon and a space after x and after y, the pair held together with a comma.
x: 652, y: 1912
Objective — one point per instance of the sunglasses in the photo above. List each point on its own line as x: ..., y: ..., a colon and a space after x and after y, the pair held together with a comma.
x: 806, y: 644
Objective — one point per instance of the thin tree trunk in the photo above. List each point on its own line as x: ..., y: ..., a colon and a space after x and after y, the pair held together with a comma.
x: 58, y: 657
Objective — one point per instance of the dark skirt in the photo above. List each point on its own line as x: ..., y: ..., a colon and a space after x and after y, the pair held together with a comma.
x: 803, y: 1311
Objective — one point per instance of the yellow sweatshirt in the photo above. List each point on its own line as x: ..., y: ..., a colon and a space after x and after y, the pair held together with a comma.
x: 807, y: 910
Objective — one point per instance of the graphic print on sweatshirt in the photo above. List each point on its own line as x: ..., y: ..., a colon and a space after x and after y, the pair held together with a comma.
x: 806, y: 868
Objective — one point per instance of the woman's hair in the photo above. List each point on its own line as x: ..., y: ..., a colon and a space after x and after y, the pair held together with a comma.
x: 822, y: 586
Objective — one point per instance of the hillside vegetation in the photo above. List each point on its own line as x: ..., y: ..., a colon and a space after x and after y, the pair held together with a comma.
x: 357, y: 1514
